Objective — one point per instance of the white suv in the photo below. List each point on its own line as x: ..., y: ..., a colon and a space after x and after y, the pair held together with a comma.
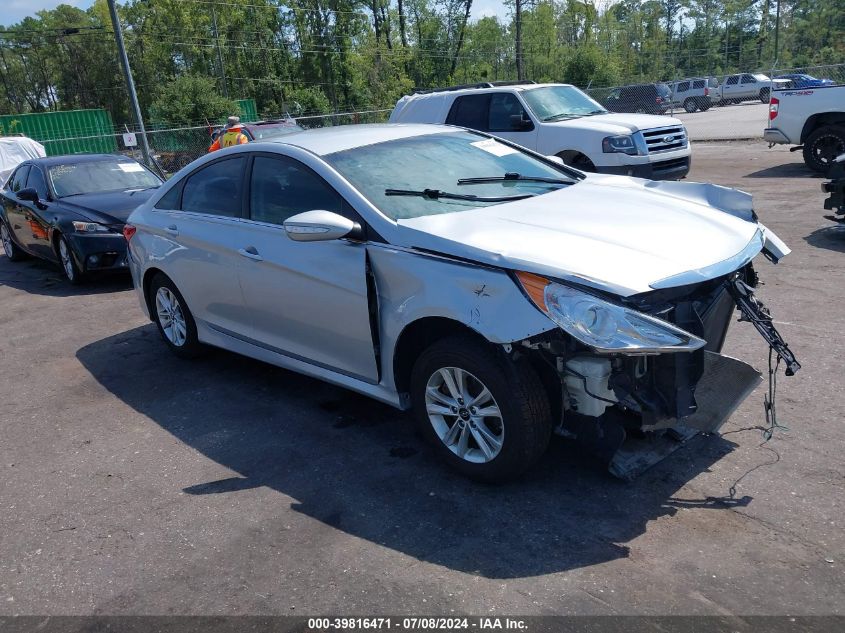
x: 559, y: 120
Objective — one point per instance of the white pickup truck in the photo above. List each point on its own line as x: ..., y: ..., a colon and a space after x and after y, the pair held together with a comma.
x: 748, y: 87
x: 812, y: 119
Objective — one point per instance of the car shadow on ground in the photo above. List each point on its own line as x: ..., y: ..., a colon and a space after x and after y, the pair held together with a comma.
x: 37, y: 276
x: 830, y: 237
x: 358, y: 465
x: 787, y: 170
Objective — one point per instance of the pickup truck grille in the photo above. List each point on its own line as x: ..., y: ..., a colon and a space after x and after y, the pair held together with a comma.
x: 663, y: 139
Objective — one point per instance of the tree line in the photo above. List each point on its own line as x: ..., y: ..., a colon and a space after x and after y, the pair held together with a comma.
x: 192, y: 58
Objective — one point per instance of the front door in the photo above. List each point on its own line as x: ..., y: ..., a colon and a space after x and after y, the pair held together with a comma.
x: 14, y: 208
x: 307, y: 300
x: 37, y: 216
x: 509, y: 119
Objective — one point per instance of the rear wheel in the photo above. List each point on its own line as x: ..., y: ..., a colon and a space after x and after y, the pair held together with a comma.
x: 823, y: 146
x: 9, y: 247
x: 690, y: 105
x: 487, y: 416
x: 67, y: 261
x: 173, y: 318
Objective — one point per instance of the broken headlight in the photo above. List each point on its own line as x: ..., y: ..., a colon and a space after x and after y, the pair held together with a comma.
x: 605, y: 326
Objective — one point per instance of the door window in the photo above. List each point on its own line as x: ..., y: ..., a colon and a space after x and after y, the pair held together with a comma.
x: 732, y: 81
x: 216, y: 189
x: 698, y: 84
x: 502, y: 107
x: 683, y: 86
x: 282, y: 187
x: 36, y: 181
x: 18, y: 181
x: 470, y: 111
x: 748, y: 79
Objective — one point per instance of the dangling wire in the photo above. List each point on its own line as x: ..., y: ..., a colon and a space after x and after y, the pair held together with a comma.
x: 769, y: 404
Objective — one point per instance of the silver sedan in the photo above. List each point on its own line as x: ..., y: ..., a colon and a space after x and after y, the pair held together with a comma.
x: 500, y: 294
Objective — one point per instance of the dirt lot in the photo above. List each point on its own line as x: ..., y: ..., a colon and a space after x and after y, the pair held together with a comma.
x: 133, y: 482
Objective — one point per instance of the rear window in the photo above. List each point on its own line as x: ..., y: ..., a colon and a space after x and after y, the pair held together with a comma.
x: 663, y: 90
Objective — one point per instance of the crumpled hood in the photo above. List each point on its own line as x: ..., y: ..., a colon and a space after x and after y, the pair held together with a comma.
x: 619, y: 234
x: 107, y: 208
x: 612, y: 123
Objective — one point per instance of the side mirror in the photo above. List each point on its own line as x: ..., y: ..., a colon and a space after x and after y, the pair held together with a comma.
x: 29, y: 194
x: 320, y: 226
x: 518, y: 123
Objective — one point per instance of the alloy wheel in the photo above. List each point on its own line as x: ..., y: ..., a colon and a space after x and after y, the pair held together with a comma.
x: 8, y: 247
x: 464, y: 415
x: 67, y: 262
x: 171, y: 317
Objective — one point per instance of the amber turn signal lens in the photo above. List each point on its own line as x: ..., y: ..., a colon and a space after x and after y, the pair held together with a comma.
x: 535, y: 286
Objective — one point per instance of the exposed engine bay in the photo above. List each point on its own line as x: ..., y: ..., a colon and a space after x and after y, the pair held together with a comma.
x: 609, y: 400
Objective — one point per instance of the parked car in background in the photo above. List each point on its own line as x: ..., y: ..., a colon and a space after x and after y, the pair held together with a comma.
x: 693, y: 94
x: 812, y: 119
x: 71, y: 210
x: 748, y: 87
x: 558, y: 120
x: 14, y: 150
x: 801, y: 80
x: 641, y: 98
x: 499, y: 294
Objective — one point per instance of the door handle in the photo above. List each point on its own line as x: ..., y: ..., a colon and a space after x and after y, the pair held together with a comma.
x: 250, y: 252
x: 172, y: 229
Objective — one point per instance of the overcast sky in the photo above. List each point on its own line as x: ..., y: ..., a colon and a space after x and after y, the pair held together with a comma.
x: 16, y: 10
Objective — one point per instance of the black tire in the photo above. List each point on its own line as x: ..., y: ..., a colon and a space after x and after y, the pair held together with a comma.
x: 526, y: 420
x: 67, y: 262
x: 822, y: 146
x: 704, y: 107
x: 765, y: 95
x: 690, y: 105
x: 190, y: 347
x: 12, y: 250
x: 579, y: 161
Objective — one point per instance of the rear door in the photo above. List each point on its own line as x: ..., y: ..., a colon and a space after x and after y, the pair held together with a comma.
x: 307, y: 300
x: 197, y: 227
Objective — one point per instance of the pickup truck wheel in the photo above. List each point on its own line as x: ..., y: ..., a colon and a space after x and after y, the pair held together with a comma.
x: 486, y: 415
x: 823, y: 146
x: 764, y: 95
x: 690, y: 105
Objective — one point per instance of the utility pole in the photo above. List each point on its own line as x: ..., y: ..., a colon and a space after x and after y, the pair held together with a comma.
x: 219, y: 52
x: 130, y: 84
x: 777, y: 30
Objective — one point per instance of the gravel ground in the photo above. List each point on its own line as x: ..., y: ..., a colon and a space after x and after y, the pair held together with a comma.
x: 136, y: 483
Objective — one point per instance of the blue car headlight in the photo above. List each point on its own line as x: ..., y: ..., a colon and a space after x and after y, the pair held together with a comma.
x: 604, y: 326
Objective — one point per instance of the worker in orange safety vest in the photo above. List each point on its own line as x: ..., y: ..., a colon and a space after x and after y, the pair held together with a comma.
x: 232, y: 135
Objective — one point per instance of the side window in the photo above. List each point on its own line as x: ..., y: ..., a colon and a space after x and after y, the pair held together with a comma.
x: 170, y: 200
x: 216, y: 189
x: 614, y: 94
x: 281, y: 187
x: 37, y: 182
x: 748, y: 79
x: 470, y: 111
x: 683, y: 86
x: 18, y: 181
x: 698, y: 84
x: 732, y: 80
x: 503, y: 106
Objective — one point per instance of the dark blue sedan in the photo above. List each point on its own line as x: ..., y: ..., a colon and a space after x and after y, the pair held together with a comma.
x: 71, y: 210
x: 800, y: 80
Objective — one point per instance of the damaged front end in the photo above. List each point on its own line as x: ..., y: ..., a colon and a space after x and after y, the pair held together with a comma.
x: 642, y: 374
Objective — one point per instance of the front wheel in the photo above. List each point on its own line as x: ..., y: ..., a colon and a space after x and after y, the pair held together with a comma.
x: 487, y: 416
x: 69, y: 267
x: 823, y: 146
x: 173, y: 318
x: 9, y: 247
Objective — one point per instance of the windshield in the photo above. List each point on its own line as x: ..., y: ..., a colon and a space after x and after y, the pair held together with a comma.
x: 437, y: 162
x: 267, y: 131
x: 552, y: 102
x: 100, y: 176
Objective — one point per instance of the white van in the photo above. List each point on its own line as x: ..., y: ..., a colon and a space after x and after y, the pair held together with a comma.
x: 558, y: 120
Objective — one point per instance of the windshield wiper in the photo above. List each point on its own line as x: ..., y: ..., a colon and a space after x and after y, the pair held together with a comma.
x: 593, y: 112
x: 514, y: 177
x: 560, y: 117
x: 436, y: 194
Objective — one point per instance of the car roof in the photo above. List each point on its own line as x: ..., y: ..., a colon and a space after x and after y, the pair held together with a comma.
x: 327, y: 140
x: 50, y: 161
